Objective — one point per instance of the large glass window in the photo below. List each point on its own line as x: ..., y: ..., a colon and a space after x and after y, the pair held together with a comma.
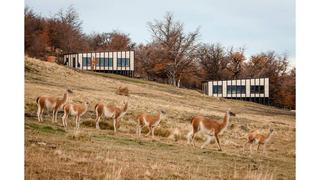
x: 86, y: 61
x: 217, y: 89
x: 105, y: 62
x: 256, y: 89
x: 123, y: 62
x: 231, y: 89
x: 109, y: 62
x: 101, y: 62
x: 241, y: 89
x: 236, y: 89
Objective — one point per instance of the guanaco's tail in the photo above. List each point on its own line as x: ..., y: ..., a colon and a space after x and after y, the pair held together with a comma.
x: 37, y: 101
x: 191, y: 119
x: 95, y: 107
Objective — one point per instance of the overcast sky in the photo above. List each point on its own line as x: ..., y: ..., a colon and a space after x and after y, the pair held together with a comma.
x: 257, y: 25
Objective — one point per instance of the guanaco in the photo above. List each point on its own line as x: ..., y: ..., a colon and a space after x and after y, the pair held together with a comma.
x: 258, y: 138
x: 210, y: 127
x: 151, y: 121
x: 110, y: 111
x: 51, y: 102
x: 76, y: 110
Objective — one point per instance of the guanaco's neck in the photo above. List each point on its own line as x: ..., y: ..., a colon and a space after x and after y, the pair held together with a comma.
x: 65, y: 97
x: 125, y: 107
x: 269, y: 135
x: 225, y: 122
x: 159, y: 116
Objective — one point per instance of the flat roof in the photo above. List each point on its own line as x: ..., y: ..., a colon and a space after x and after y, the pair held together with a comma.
x: 235, y: 79
x: 89, y: 52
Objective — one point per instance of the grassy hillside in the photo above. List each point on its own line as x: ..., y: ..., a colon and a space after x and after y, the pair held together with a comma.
x: 55, y: 153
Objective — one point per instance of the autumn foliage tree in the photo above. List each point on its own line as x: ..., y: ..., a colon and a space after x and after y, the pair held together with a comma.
x: 275, y: 67
x: 149, y: 62
x: 36, y: 34
x: 236, y: 62
x: 114, y: 41
x: 54, y: 35
x: 212, y: 59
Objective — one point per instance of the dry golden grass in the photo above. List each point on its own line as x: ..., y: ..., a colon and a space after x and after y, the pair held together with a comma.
x: 51, y: 152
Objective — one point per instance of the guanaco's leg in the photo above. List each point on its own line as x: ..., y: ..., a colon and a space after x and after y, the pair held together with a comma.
x: 193, y: 136
x: 65, y: 117
x: 114, y: 125
x: 149, y: 131
x: 152, y: 129
x: 64, y: 120
x: 209, y: 138
x: 97, y: 121
x: 217, y: 138
x: 53, y: 112
x: 118, y: 123
x: 56, y: 115
x: 39, y: 113
x: 190, y: 136
x: 78, y: 122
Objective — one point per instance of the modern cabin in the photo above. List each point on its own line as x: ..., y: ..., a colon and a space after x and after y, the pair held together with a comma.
x: 256, y: 89
x: 118, y: 62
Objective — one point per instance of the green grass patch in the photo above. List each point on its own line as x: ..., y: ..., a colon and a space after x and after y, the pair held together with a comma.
x: 45, y: 128
x: 131, y: 141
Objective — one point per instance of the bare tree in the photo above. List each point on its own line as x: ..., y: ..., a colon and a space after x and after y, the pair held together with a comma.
x: 179, y: 48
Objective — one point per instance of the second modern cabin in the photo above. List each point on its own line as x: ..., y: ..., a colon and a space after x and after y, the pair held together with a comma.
x: 247, y: 89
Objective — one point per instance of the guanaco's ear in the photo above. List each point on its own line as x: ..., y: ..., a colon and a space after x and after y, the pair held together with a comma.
x: 69, y: 90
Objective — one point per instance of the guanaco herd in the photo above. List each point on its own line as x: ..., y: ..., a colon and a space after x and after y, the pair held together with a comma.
x: 212, y: 128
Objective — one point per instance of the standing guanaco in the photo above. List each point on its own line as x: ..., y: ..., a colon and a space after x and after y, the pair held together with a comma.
x: 151, y: 121
x: 51, y: 102
x: 76, y: 110
x: 258, y: 138
x: 210, y: 127
x: 110, y: 111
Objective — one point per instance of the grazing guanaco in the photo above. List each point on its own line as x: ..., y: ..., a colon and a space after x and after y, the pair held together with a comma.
x: 210, y: 127
x: 76, y: 110
x: 110, y: 111
x: 258, y: 138
x: 151, y: 121
x: 51, y: 102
